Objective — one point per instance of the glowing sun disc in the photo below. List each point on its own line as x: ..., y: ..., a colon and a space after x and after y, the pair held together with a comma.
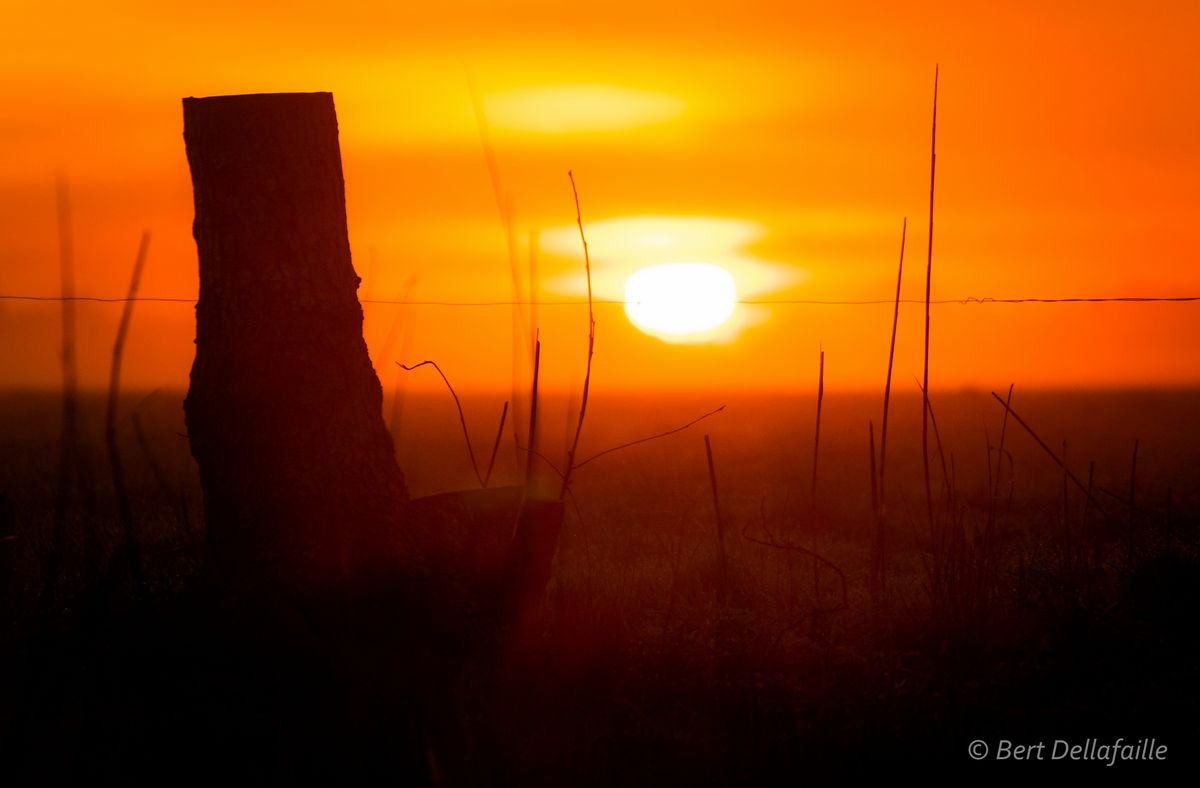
x: 675, y: 300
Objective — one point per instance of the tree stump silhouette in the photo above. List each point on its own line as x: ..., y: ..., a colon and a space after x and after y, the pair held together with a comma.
x: 284, y: 410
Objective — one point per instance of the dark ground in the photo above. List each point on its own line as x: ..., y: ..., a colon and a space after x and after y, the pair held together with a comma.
x: 634, y: 671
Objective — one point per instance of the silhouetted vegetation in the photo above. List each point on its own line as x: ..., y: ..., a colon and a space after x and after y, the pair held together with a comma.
x: 1036, y: 622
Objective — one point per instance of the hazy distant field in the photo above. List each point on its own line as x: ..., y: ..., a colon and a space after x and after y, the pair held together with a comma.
x: 635, y: 499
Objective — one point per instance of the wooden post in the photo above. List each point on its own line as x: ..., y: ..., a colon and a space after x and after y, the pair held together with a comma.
x: 284, y: 412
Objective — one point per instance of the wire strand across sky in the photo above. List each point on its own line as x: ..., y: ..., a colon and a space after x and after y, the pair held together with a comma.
x: 753, y: 301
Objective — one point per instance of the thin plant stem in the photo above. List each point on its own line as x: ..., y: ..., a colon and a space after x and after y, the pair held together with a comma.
x: 462, y: 419
x: 124, y: 509
x: 504, y: 208
x: 587, y: 377
x: 815, y: 464
x: 1131, y: 553
x: 887, y: 385
x: 722, y: 566
x: 928, y: 288
x: 533, y: 409
x: 1050, y: 452
x: 656, y: 436
x: 487, y: 477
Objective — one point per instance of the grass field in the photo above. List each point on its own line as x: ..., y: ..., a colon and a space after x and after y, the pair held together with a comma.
x: 647, y: 664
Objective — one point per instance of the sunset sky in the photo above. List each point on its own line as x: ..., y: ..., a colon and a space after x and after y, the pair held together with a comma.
x: 784, y: 142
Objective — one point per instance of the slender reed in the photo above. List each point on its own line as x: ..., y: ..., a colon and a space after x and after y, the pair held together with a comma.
x: 124, y: 509
x: 1068, y: 555
x: 887, y: 385
x: 722, y: 565
x: 878, y: 488
x: 1097, y: 544
x: 587, y: 377
x: 487, y: 477
x: 928, y: 286
x: 874, y: 469
x: 1131, y: 551
x: 504, y: 208
x: 877, y: 546
x: 68, y: 451
x: 817, y: 433
x: 1169, y: 527
x: 813, y: 493
x: 533, y: 411
x: 1086, y: 489
x: 994, y: 488
x: 534, y: 291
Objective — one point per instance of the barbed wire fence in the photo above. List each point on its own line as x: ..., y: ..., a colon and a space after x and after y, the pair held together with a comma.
x: 968, y: 300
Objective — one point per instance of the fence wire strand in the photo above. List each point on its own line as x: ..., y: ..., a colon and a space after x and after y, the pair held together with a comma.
x: 613, y: 301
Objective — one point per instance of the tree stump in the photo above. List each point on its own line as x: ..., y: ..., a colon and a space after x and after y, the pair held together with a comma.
x: 284, y: 410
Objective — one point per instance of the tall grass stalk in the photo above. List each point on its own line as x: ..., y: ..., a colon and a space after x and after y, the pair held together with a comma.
x: 487, y: 476
x: 591, y: 346
x: 533, y: 413
x: 1086, y: 489
x: 69, y: 456
x: 816, y: 567
x: 504, y: 208
x: 879, y: 489
x: 124, y: 509
x: 722, y: 560
x: 887, y: 384
x: 1068, y: 556
x: 928, y: 286
x: 1131, y: 548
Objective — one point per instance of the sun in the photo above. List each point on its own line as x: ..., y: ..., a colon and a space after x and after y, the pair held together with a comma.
x: 680, y: 302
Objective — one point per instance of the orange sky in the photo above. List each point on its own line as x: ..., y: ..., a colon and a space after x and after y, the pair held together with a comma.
x: 1067, y: 166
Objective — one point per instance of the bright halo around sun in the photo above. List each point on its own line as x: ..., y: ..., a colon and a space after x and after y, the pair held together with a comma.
x: 680, y: 302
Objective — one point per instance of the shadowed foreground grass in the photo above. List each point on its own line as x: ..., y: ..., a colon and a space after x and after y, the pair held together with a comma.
x: 633, y: 672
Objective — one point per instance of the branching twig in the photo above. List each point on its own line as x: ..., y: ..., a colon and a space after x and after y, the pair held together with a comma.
x: 461, y: 418
x: 561, y: 474
x: 780, y: 545
x: 693, y: 422
x: 535, y: 453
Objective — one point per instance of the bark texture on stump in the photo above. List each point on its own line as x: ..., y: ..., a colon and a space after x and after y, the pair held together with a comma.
x: 284, y: 411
